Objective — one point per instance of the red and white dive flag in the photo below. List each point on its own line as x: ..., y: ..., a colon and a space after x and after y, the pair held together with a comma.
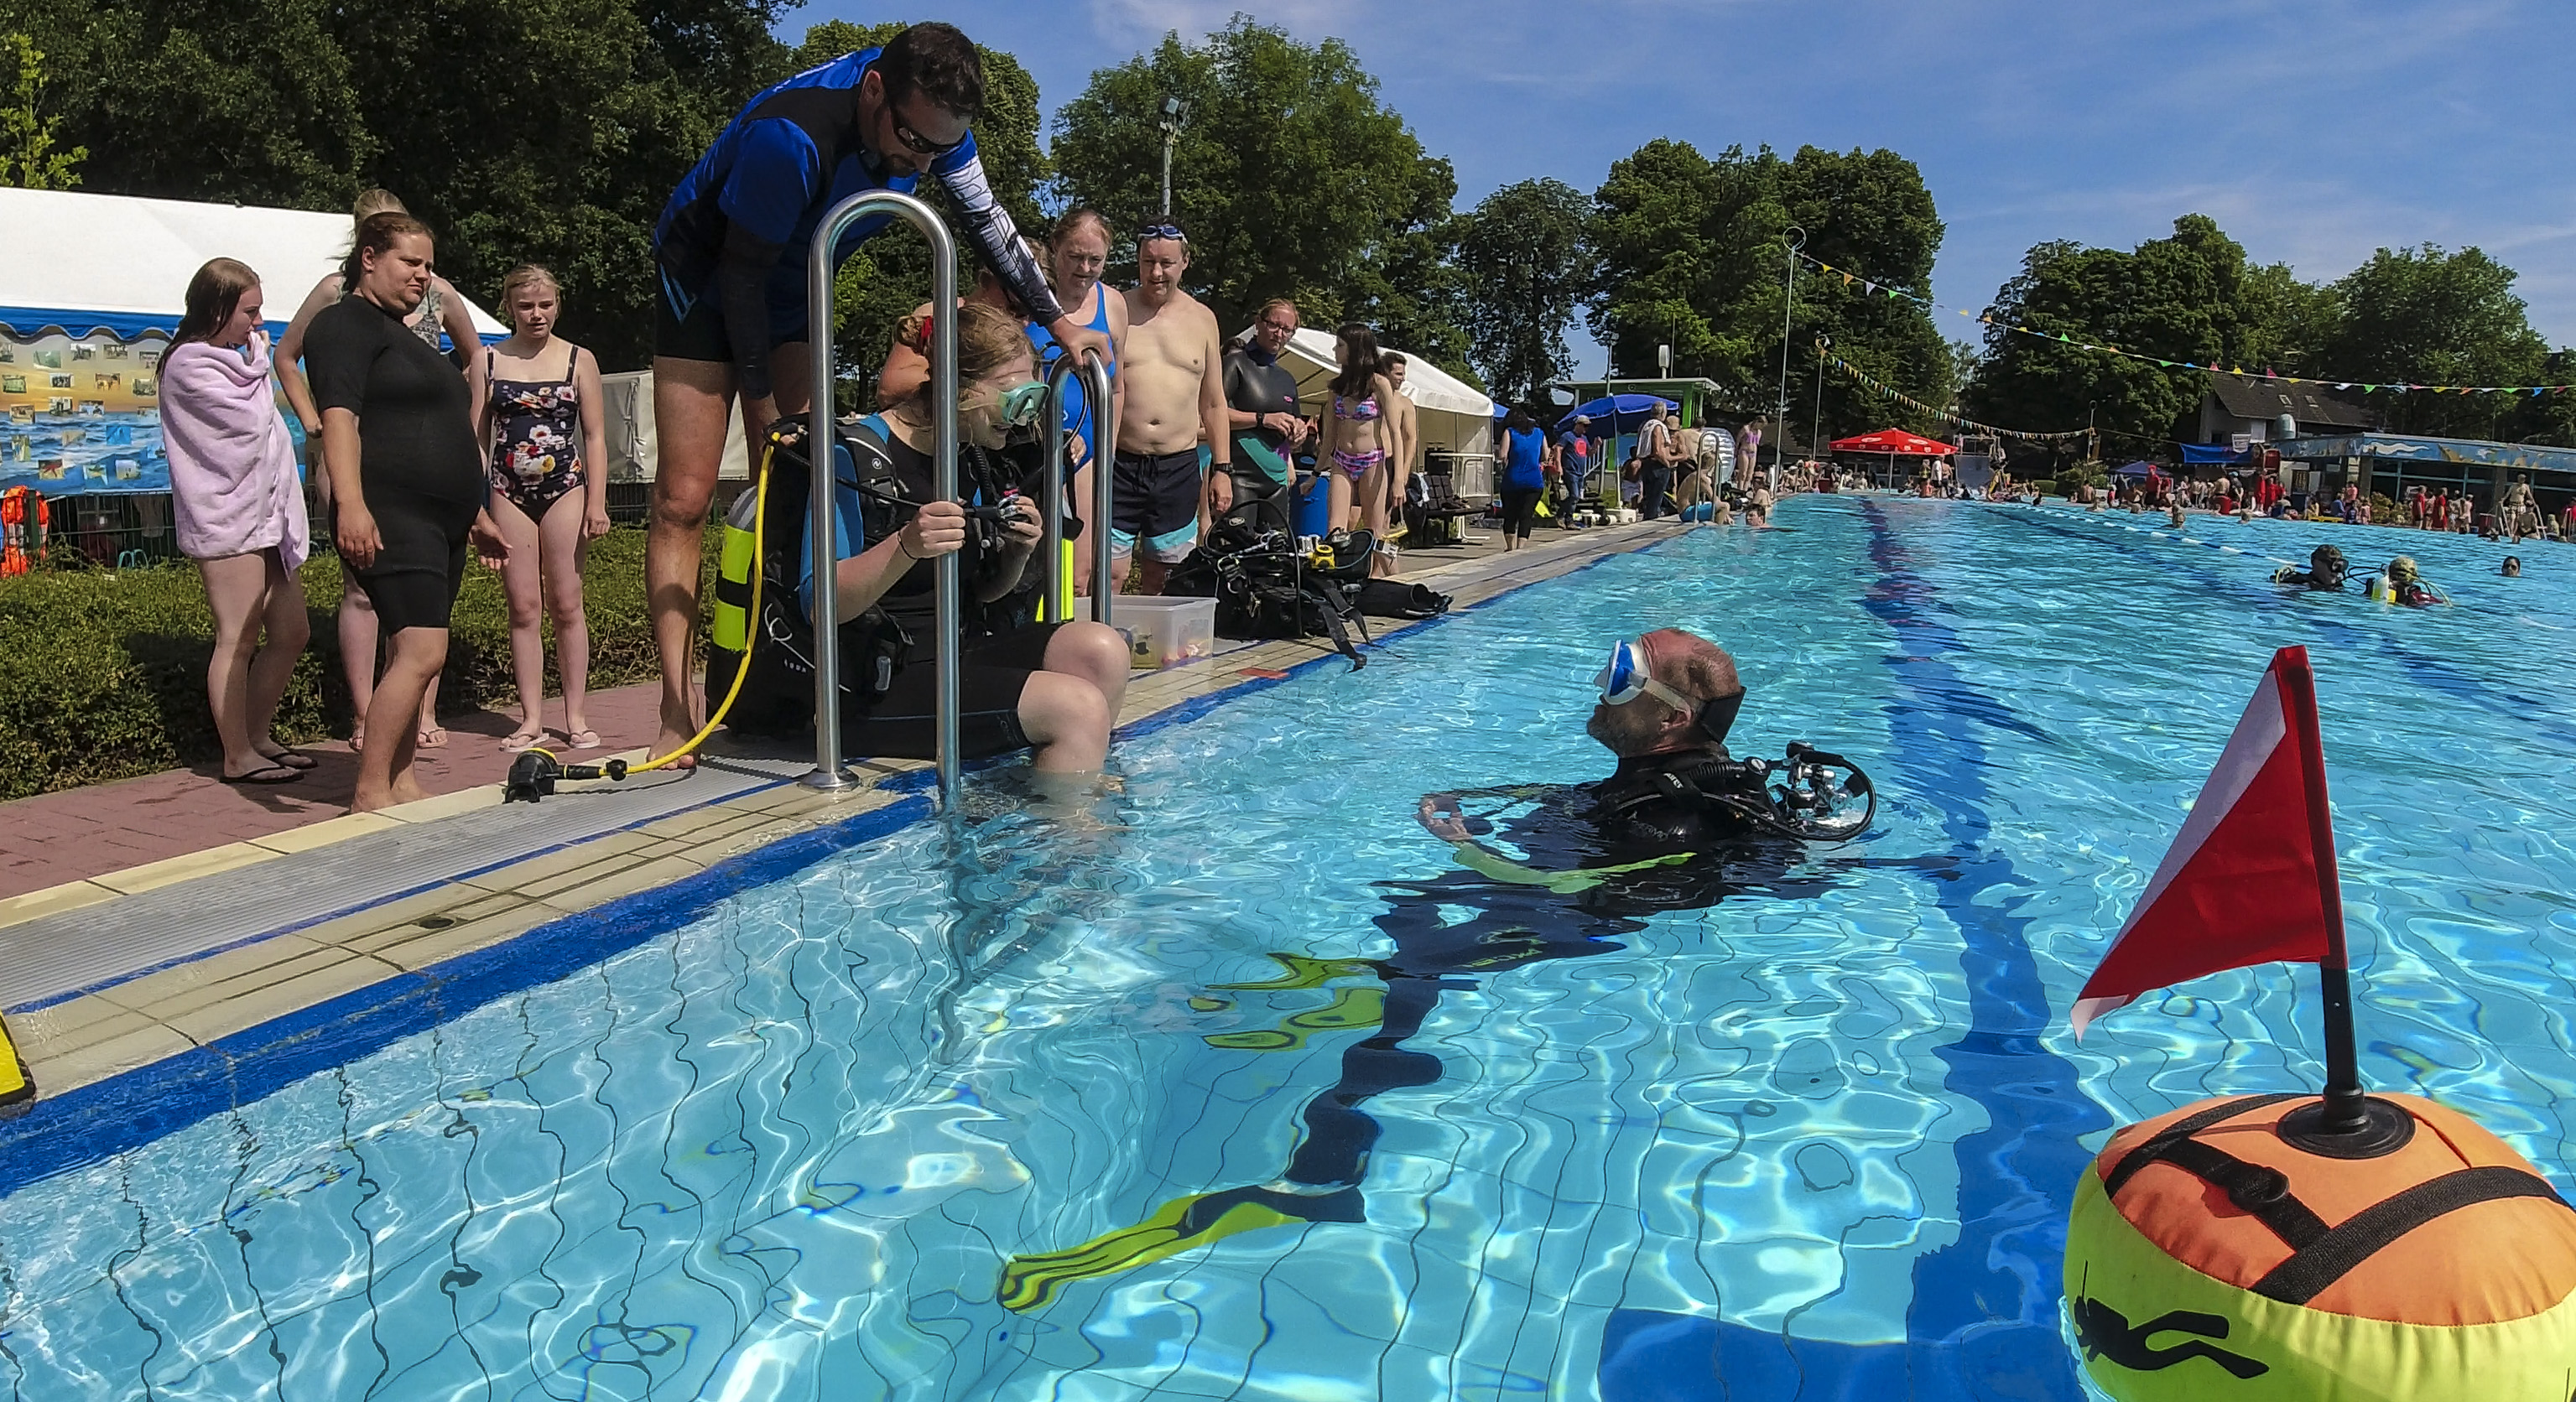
x: 2249, y: 879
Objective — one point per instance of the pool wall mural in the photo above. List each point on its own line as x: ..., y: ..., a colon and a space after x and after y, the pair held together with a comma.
x: 80, y: 413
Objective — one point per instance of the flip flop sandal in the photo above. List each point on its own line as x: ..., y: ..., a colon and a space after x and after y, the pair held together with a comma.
x: 582, y: 740
x: 273, y: 774
x: 519, y: 741
x: 431, y: 738
x: 293, y: 759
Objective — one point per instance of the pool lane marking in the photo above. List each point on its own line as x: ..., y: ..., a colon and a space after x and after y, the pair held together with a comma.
x: 1993, y: 1292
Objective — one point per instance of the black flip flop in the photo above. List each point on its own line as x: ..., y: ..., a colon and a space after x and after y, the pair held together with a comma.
x: 293, y: 759
x: 273, y: 774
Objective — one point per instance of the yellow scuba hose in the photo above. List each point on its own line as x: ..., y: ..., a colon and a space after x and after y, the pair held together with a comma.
x: 759, y: 568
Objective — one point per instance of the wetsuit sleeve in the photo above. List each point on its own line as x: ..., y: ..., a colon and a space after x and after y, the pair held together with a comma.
x: 776, y: 176
x: 338, y: 360
x: 996, y: 238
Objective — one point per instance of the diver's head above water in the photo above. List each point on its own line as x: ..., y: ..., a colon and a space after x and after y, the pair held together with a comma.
x: 1666, y: 692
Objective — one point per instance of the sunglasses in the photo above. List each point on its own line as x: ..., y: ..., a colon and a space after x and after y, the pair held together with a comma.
x: 1161, y: 231
x: 914, y: 141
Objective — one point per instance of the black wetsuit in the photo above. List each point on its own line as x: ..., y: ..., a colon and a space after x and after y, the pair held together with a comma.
x: 418, y: 466
x: 1262, y: 468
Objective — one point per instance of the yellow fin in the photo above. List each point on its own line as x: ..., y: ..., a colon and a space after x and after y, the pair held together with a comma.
x: 1028, y: 1282
x: 1303, y: 971
x: 1350, y: 1008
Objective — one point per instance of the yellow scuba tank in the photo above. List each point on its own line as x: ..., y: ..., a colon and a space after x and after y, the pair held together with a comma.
x: 729, y: 630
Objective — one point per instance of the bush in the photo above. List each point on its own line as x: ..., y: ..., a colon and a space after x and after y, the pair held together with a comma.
x: 103, y: 673
x: 2045, y: 486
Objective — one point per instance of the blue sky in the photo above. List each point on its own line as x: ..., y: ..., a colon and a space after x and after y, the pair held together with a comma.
x: 2312, y: 132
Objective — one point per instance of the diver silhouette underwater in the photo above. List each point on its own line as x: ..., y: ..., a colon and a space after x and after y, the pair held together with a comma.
x: 1678, y: 826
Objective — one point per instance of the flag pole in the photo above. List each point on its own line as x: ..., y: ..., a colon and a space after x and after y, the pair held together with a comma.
x: 2347, y: 1123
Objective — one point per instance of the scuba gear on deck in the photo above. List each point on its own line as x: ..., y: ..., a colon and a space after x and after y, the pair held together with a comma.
x: 1265, y: 587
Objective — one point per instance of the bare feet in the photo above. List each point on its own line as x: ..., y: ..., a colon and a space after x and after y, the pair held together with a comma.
x: 677, y: 730
x: 407, y: 789
x: 358, y: 739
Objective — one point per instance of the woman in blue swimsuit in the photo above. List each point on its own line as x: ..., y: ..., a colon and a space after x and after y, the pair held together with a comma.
x: 546, y: 451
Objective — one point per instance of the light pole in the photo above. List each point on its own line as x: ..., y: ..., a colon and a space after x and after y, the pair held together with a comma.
x: 1815, y: 432
x: 1176, y: 115
x: 1788, y: 304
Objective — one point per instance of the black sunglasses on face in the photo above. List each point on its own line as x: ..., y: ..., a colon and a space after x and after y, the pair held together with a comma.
x: 919, y: 144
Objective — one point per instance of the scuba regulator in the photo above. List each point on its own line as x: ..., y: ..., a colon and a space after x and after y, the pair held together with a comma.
x: 534, y: 774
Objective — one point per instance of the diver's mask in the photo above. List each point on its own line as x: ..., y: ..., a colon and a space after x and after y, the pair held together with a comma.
x: 1625, y: 678
x: 1012, y: 412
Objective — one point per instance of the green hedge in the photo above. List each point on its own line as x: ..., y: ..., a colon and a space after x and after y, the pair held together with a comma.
x: 103, y: 673
x: 2045, y: 486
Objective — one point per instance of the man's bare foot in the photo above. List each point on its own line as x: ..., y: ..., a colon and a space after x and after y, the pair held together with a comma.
x: 677, y: 730
x: 407, y: 789
x: 367, y: 800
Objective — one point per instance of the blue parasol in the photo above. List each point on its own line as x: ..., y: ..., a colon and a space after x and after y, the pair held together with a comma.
x: 1619, y: 413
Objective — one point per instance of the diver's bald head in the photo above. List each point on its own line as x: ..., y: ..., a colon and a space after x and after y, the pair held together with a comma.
x: 1691, y: 665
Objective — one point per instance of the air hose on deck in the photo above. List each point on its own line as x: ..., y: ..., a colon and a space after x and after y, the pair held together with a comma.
x: 534, y: 774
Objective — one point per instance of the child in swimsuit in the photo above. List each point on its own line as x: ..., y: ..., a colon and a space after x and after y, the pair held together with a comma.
x: 1355, y: 437
x: 543, y: 438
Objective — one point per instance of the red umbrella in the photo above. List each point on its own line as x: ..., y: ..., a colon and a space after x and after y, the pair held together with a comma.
x: 1894, y: 440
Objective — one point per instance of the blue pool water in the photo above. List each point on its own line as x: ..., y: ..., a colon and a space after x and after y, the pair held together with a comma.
x: 1816, y: 1140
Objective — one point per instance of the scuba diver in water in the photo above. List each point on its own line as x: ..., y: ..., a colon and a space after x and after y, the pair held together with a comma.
x: 2326, y: 570
x: 2400, y: 584
x: 1549, y: 872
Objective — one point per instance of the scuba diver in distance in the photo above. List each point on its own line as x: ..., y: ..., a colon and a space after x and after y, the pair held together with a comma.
x: 2400, y: 584
x: 1549, y: 871
x: 2326, y: 570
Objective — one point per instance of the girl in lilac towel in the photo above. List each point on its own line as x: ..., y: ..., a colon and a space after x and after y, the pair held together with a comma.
x: 239, y: 507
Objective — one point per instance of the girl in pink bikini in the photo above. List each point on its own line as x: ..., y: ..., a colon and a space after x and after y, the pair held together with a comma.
x: 1355, y: 435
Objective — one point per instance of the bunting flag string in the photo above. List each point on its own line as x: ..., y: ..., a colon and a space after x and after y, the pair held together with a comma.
x: 1874, y: 288
x: 1917, y: 405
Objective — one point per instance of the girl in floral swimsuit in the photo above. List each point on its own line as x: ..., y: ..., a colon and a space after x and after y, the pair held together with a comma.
x: 1355, y: 435
x: 546, y: 442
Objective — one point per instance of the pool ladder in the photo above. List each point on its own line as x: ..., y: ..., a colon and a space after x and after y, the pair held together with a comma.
x: 829, y: 771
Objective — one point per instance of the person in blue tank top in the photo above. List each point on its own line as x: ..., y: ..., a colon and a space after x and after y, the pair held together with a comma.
x: 732, y: 250
x: 1077, y: 253
x: 1523, y: 476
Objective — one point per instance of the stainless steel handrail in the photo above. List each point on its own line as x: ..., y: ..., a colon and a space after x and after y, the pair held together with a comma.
x: 1051, y: 498
x: 1104, y: 458
x: 829, y: 772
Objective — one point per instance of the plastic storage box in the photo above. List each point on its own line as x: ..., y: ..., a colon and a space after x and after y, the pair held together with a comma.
x: 1166, y: 632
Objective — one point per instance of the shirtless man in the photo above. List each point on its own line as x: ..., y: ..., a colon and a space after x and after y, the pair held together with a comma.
x: 1405, y: 428
x: 2519, y: 513
x: 1175, y: 399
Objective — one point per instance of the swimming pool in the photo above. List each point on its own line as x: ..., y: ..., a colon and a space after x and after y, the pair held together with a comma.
x: 1819, y: 1136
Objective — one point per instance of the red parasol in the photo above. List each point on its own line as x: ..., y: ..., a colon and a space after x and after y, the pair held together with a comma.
x: 1894, y: 440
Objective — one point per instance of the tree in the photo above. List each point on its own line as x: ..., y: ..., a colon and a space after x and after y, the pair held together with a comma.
x: 2422, y: 316
x: 521, y: 130
x: 1525, y: 263
x: 1291, y: 177
x: 30, y: 158
x: 1694, y: 253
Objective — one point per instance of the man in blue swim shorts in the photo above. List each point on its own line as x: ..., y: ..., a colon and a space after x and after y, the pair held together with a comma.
x: 732, y: 250
x: 1174, y: 369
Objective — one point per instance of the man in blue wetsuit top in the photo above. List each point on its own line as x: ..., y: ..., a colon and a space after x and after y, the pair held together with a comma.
x: 733, y: 249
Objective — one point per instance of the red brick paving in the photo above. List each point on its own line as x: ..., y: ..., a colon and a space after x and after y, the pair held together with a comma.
x: 80, y: 833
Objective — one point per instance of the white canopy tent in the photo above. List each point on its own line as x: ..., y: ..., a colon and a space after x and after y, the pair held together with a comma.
x: 122, y: 264
x: 1455, y: 417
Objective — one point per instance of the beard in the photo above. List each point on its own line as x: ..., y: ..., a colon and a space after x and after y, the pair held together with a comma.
x: 1623, y: 730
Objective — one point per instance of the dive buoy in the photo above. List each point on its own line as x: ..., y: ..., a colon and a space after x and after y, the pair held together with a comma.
x: 2209, y: 1256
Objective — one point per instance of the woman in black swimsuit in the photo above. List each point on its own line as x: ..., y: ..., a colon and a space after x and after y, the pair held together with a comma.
x: 406, y: 478
x: 543, y: 427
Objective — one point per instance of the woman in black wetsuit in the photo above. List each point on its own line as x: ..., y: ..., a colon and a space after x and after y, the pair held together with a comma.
x: 407, y: 479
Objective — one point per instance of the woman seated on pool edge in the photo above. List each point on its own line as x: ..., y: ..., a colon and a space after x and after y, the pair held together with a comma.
x: 1054, y: 686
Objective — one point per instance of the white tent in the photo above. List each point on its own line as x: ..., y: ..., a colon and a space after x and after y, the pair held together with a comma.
x: 87, y: 263
x: 1456, y: 419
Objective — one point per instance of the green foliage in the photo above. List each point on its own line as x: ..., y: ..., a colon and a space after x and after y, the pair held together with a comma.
x: 1526, y: 262
x: 1291, y: 176
x: 1694, y: 254
x: 2425, y: 316
x: 29, y: 158
x: 2088, y: 473
x: 890, y: 274
x: 103, y: 674
x: 520, y: 130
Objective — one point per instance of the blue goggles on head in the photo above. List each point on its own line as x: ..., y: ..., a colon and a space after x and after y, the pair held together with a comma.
x: 1626, y: 678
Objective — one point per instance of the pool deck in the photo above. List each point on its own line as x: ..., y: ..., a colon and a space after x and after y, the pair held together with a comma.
x: 185, y: 914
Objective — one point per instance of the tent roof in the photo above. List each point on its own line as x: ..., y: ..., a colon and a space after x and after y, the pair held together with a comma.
x: 1426, y: 384
x: 1892, y: 440
x: 87, y: 263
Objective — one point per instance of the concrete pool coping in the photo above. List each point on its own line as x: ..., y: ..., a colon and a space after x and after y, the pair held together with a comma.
x: 315, y: 983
